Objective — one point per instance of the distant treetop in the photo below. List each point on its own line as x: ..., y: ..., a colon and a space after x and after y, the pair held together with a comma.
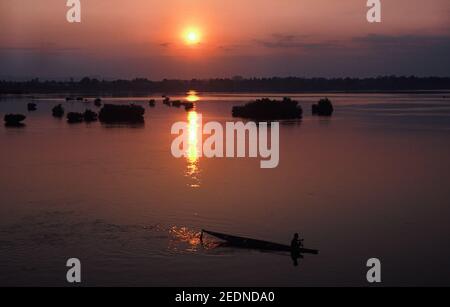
x: 235, y: 84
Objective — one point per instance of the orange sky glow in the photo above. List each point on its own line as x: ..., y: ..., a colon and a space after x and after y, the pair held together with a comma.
x: 141, y: 30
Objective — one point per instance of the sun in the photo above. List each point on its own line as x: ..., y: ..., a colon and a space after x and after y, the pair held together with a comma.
x: 192, y: 36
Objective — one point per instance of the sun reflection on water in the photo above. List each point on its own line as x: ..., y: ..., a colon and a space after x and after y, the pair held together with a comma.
x: 193, y: 150
x: 183, y: 238
x: 192, y: 96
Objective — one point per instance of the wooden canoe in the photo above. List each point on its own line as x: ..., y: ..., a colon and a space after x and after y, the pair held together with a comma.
x: 244, y: 242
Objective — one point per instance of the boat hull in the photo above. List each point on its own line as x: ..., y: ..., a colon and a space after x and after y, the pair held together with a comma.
x: 244, y: 242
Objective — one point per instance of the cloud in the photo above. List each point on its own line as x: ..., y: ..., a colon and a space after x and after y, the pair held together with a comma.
x: 402, y: 41
x: 398, y: 43
x: 293, y: 41
x: 229, y: 48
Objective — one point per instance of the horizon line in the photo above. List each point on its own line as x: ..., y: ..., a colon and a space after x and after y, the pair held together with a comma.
x: 233, y: 78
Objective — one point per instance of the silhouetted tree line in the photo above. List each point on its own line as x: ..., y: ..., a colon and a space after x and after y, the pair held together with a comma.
x: 236, y: 84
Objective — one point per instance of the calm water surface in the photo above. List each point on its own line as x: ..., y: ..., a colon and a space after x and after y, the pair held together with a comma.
x: 372, y: 181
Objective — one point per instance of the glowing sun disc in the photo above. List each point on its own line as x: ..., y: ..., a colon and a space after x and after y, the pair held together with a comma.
x: 192, y: 37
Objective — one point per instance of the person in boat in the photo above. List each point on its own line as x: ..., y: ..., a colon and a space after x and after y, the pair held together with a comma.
x: 296, y: 242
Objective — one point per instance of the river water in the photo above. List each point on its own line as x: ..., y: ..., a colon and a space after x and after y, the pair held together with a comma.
x: 371, y: 181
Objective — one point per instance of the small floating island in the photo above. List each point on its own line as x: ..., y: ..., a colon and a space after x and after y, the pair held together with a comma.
x: 178, y: 103
x: 74, y: 117
x: 268, y: 109
x: 58, y: 111
x: 126, y: 114
x: 98, y: 102
x: 31, y: 106
x: 14, y: 120
x: 88, y: 116
x: 323, y: 108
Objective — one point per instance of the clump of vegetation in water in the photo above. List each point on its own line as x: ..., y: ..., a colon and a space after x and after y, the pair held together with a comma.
x: 122, y: 114
x: 74, y: 117
x: 14, y: 120
x: 188, y: 106
x: 32, y: 106
x: 178, y: 103
x: 98, y: 102
x: 90, y: 116
x: 323, y: 108
x: 58, y: 111
x: 267, y: 109
x: 167, y: 101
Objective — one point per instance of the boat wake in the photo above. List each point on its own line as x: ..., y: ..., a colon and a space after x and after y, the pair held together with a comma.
x: 183, y: 238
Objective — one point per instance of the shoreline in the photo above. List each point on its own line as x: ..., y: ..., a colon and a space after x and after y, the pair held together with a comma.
x: 143, y: 94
